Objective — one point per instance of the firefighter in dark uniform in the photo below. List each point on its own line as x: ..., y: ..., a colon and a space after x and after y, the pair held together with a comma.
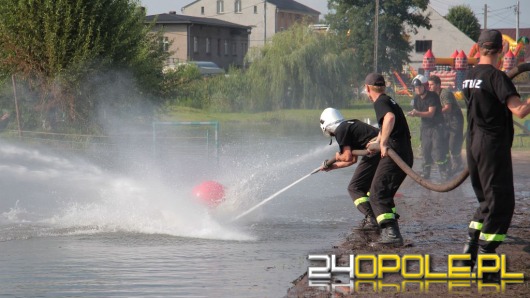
x: 454, y: 124
x: 491, y: 99
x: 394, y: 133
x: 353, y: 135
x: 427, y: 106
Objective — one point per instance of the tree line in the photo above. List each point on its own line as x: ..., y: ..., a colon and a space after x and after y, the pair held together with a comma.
x: 75, y: 58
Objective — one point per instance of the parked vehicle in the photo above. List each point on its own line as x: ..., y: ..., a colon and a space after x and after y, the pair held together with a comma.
x: 206, y: 68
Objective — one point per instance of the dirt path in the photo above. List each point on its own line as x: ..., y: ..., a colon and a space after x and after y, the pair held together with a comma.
x: 436, y: 224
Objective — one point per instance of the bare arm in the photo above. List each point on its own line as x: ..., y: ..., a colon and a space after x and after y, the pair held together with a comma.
x: 344, y: 159
x: 519, y: 108
x: 388, y: 126
x: 427, y: 114
x: 446, y: 108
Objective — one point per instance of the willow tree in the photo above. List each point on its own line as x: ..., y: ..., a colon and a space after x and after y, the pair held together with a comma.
x: 300, y: 68
x: 354, y: 20
x: 54, y: 45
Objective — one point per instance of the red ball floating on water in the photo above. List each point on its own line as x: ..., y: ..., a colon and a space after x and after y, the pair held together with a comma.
x: 210, y: 192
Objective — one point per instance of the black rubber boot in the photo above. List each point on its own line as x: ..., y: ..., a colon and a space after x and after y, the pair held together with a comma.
x: 490, y: 277
x: 426, y: 173
x: 444, y: 171
x: 390, y: 235
x: 368, y: 223
x: 457, y: 164
x: 471, y: 248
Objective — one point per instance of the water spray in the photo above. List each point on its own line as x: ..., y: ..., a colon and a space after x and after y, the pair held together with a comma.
x: 326, y: 163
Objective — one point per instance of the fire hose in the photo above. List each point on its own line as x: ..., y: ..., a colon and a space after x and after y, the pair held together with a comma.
x: 444, y: 187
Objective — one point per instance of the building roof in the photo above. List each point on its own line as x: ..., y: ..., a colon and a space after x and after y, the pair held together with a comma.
x: 293, y: 5
x: 522, y: 32
x: 284, y: 4
x: 170, y: 18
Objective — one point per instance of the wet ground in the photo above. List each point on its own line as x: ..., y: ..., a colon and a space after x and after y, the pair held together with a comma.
x: 434, y: 224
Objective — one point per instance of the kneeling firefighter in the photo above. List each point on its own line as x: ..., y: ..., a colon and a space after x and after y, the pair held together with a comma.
x: 353, y: 135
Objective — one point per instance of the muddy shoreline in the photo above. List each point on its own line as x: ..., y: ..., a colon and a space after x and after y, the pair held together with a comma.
x: 434, y: 224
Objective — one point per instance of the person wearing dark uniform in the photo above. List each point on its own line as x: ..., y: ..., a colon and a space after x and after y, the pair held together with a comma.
x: 491, y: 99
x: 433, y: 146
x: 395, y: 134
x: 353, y: 135
x: 454, y: 124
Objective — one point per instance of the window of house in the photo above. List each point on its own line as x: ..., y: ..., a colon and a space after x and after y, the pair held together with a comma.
x: 220, y: 6
x: 202, y: 10
x: 164, y: 43
x: 255, y: 9
x: 226, y: 47
x: 207, y: 45
x: 423, y: 45
x: 218, y: 47
x: 234, y: 49
x: 195, y: 45
x: 237, y: 6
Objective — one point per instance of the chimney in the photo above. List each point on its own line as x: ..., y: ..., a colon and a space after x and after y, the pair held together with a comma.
x: 172, y: 12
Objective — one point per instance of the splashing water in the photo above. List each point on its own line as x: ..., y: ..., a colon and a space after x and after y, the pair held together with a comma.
x: 45, y: 194
x: 255, y: 180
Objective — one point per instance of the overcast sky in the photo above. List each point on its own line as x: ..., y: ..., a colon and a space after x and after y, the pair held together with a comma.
x: 501, y: 14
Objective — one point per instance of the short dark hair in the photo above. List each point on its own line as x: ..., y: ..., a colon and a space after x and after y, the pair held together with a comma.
x: 435, y: 79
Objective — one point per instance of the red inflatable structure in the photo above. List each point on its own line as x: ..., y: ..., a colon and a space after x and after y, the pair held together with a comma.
x: 210, y: 193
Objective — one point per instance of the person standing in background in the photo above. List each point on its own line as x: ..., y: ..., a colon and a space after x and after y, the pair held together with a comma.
x: 454, y: 124
x: 427, y: 106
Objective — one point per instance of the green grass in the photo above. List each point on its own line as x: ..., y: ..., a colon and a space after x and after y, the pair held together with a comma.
x: 310, y: 118
x: 177, y: 113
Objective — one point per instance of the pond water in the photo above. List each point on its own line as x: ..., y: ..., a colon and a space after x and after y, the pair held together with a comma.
x: 74, y: 226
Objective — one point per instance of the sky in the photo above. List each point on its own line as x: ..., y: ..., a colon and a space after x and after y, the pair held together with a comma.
x: 501, y: 14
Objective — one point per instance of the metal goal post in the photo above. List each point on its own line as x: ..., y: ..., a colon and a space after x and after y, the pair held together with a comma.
x: 188, y: 134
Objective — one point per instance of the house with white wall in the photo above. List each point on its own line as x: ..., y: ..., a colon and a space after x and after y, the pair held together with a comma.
x: 442, y: 39
x: 265, y: 17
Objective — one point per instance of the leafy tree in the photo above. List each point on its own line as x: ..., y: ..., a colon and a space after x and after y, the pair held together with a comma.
x: 300, y: 68
x: 463, y: 18
x: 354, y: 20
x: 181, y: 84
x: 55, y: 45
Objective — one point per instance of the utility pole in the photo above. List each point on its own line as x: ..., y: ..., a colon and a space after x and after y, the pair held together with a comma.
x: 376, y: 33
x: 517, y: 22
x: 265, y: 22
x: 485, y: 16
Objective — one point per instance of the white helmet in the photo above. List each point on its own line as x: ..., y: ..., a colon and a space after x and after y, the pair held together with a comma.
x: 329, y: 120
x: 419, y: 80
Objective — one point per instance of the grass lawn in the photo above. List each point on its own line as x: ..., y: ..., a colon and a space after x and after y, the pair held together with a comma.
x: 360, y: 111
